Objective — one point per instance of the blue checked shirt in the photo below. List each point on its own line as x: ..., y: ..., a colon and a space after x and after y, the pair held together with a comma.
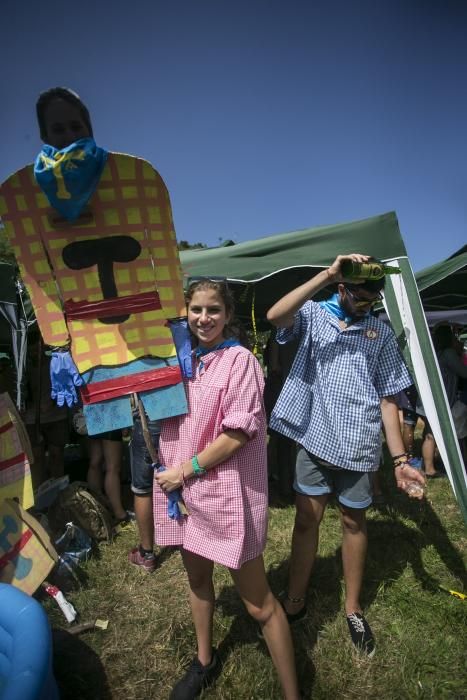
x: 330, y: 402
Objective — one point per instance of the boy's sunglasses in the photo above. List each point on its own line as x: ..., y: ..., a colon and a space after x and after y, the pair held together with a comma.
x: 359, y: 301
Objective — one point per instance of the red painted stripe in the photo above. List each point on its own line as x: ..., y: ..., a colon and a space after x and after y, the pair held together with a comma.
x: 131, y: 304
x: 121, y: 386
x: 16, y: 549
x: 17, y: 459
x: 6, y: 427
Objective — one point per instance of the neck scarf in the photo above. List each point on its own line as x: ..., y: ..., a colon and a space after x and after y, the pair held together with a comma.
x: 68, y: 177
x: 332, y: 305
x: 200, y: 351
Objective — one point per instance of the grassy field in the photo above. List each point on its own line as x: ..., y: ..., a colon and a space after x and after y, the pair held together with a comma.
x: 420, y: 629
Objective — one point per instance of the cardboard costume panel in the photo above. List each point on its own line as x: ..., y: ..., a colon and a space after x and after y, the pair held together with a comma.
x: 107, y: 281
x: 15, y: 455
x: 27, y: 554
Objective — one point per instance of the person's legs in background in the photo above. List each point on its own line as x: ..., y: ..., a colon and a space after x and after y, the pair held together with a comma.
x: 112, y: 450
x: 105, y: 452
x: 429, y: 453
x: 96, y: 457
x: 142, y: 479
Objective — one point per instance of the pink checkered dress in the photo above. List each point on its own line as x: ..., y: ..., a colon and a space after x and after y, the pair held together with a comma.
x: 228, y: 506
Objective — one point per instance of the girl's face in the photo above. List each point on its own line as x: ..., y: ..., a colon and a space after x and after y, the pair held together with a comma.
x: 207, y: 317
x: 63, y: 124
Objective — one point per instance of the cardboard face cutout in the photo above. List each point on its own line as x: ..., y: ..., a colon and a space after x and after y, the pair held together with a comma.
x: 106, y: 282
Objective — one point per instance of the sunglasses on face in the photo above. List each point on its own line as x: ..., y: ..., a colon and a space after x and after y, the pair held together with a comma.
x: 359, y: 301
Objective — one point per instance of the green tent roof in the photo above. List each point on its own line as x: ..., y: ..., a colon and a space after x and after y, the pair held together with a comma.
x: 312, y: 247
x: 443, y: 287
x: 277, y: 264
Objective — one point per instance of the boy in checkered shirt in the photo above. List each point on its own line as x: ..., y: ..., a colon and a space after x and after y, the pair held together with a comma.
x: 339, y: 394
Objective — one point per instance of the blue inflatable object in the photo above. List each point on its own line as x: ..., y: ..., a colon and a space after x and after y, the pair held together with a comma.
x: 25, y: 648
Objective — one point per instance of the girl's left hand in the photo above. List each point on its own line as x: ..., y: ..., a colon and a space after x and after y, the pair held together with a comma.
x: 170, y: 479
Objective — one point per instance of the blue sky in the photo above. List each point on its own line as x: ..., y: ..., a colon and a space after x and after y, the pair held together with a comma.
x: 262, y: 116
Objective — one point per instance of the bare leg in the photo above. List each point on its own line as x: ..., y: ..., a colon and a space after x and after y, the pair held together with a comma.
x: 310, y: 511
x: 354, y: 546
x: 112, y: 486
x: 428, y: 454
x: 251, y: 583
x: 96, y: 456
x: 199, y: 572
x: 145, y: 520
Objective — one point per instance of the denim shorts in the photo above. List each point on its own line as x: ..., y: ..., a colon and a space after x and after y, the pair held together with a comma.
x: 314, y: 478
x: 142, y: 473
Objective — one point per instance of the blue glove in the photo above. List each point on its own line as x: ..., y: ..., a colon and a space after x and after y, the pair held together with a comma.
x: 182, y: 341
x: 173, y: 511
x: 64, y: 377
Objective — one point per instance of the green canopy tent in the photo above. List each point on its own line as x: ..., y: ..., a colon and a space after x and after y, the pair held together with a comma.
x: 263, y: 270
x: 443, y: 287
x: 443, y: 290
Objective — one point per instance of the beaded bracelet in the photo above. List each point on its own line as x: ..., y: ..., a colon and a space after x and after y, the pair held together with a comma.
x: 401, y: 463
x: 197, y: 468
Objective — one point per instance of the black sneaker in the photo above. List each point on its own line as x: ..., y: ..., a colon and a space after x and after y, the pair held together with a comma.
x: 196, y: 678
x: 361, y: 634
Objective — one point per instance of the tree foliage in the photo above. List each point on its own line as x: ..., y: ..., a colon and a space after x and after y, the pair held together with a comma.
x: 6, y: 251
x: 185, y: 245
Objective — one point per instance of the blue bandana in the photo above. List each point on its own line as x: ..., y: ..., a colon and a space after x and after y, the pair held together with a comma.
x: 200, y: 351
x: 68, y: 177
x: 333, y: 306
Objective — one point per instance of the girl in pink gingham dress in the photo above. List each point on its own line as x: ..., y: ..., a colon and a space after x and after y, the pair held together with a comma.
x: 216, y: 454
x: 227, y: 507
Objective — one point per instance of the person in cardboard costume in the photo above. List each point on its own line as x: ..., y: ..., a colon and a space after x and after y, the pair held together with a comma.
x: 92, y: 232
x: 93, y: 235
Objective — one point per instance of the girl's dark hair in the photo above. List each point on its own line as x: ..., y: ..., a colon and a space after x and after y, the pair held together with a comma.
x: 233, y: 328
x: 60, y: 93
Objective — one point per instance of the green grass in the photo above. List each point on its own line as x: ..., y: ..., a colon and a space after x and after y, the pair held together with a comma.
x: 420, y: 630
